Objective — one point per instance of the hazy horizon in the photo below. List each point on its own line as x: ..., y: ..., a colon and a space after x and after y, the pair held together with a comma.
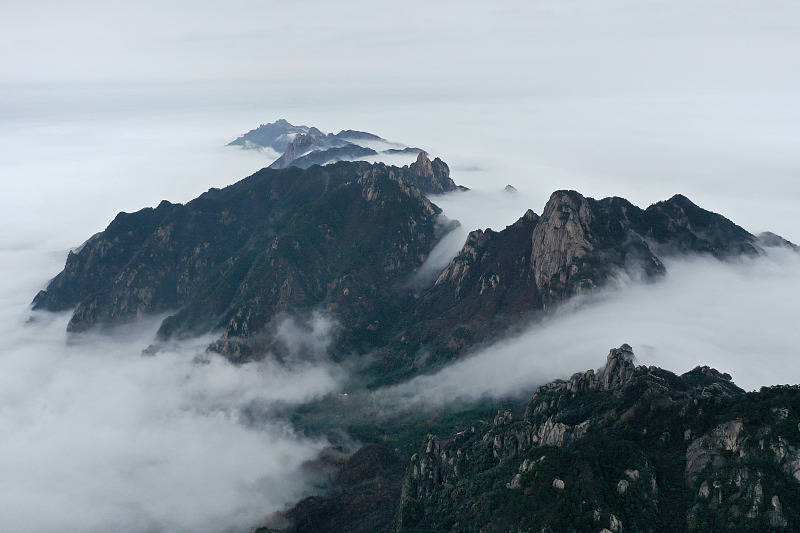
x: 112, y: 107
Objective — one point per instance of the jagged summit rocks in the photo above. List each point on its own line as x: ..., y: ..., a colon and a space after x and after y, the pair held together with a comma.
x: 347, y: 238
x: 432, y: 177
x: 577, y: 245
x: 338, y: 236
x: 304, y: 146
x: 276, y: 135
x: 628, y: 448
x: 623, y: 448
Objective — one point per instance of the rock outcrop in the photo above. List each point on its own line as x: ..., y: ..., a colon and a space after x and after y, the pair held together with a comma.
x: 363, y: 498
x: 276, y: 135
x: 304, y: 146
x: 577, y: 245
x: 337, y: 237
x: 346, y: 239
x: 626, y: 448
x: 431, y: 177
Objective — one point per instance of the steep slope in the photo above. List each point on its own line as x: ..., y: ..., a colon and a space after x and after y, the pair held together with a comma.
x: 629, y: 447
x: 342, y: 236
x: 364, y: 499
x: 577, y: 245
x: 345, y: 238
x: 432, y: 177
x: 306, y: 143
x: 342, y: 153
x: 304, y: 146
x: 276, y: 135
x: 625, y: 448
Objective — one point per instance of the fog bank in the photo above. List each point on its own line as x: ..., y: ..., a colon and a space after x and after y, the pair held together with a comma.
x: 97, y: 437
x: 739, y: 317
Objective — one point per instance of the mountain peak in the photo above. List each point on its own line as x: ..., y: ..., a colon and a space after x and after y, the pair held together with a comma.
x: 305, y: 146
x: 422, y: 166
x: 619, y: 367
x: 431, y: 177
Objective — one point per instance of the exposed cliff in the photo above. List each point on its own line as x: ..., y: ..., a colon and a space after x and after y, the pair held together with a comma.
x: 577, y: 245
x: 338, y: 237
x: 304, y: 146
x: 276, y: 135
x: 628, y: 448
x: 346, y: 238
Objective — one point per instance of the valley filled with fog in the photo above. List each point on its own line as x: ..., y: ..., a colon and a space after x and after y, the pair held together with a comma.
x: 98, y: 437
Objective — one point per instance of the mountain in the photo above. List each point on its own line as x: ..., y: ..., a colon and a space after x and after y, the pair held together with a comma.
x: 276, y: 135
x: 346, y: 239
x: 340, y: 237
x: 577, y: 245
x: 304, y: 146
x: 625, y: 448
x: 347, y: 152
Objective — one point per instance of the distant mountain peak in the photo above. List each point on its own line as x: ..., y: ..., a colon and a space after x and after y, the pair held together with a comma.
x: 304, y: 146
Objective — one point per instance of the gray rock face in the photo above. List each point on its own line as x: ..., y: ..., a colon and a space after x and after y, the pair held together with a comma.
x: 304, y: 146
x: 276, y: 135
x: 711, y: 448
x: 233, y: 258
x: 576, y: 246
x: 732, y: 473
x: 619, y: 368
x: 729, y: 466
x: 431, y: 177
x: 769, y: 239
x: 300, y: 145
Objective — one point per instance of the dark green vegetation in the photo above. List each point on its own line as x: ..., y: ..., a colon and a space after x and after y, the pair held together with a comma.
x: 631, y: 448
x: 346, y: 239
x: 624, y: 449
x: 343, y: 237
x: 575, y: 246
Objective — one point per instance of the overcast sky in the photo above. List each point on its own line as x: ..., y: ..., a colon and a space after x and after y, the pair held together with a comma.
x: 613, y: 44
x: 641, y: 99
x: 108, y: 106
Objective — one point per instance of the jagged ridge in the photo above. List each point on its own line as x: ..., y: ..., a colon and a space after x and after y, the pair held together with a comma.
x: 624, y: 448
x: 577, y: 245
x: 304, y: 146
x: 345, y: 237
x: 628, y: 447
x: 281, y: 240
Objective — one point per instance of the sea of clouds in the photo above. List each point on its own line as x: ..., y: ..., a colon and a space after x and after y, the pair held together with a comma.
x: 96, y: 436
x: 109, y: 107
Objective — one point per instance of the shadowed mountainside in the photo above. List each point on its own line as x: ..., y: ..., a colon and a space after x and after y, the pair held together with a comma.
x: 345, y: 239
x: 341, y: 237
x: 304, y: 146
x: 577, y: 245
x: 625, y: 448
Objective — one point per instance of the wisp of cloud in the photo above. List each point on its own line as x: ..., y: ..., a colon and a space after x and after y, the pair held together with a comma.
x: 737, y: 316
x: 96, y: 436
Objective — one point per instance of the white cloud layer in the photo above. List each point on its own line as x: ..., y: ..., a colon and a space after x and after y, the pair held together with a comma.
x: 95, y: 436
x: 739, y: 317
x: 114, y: 106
